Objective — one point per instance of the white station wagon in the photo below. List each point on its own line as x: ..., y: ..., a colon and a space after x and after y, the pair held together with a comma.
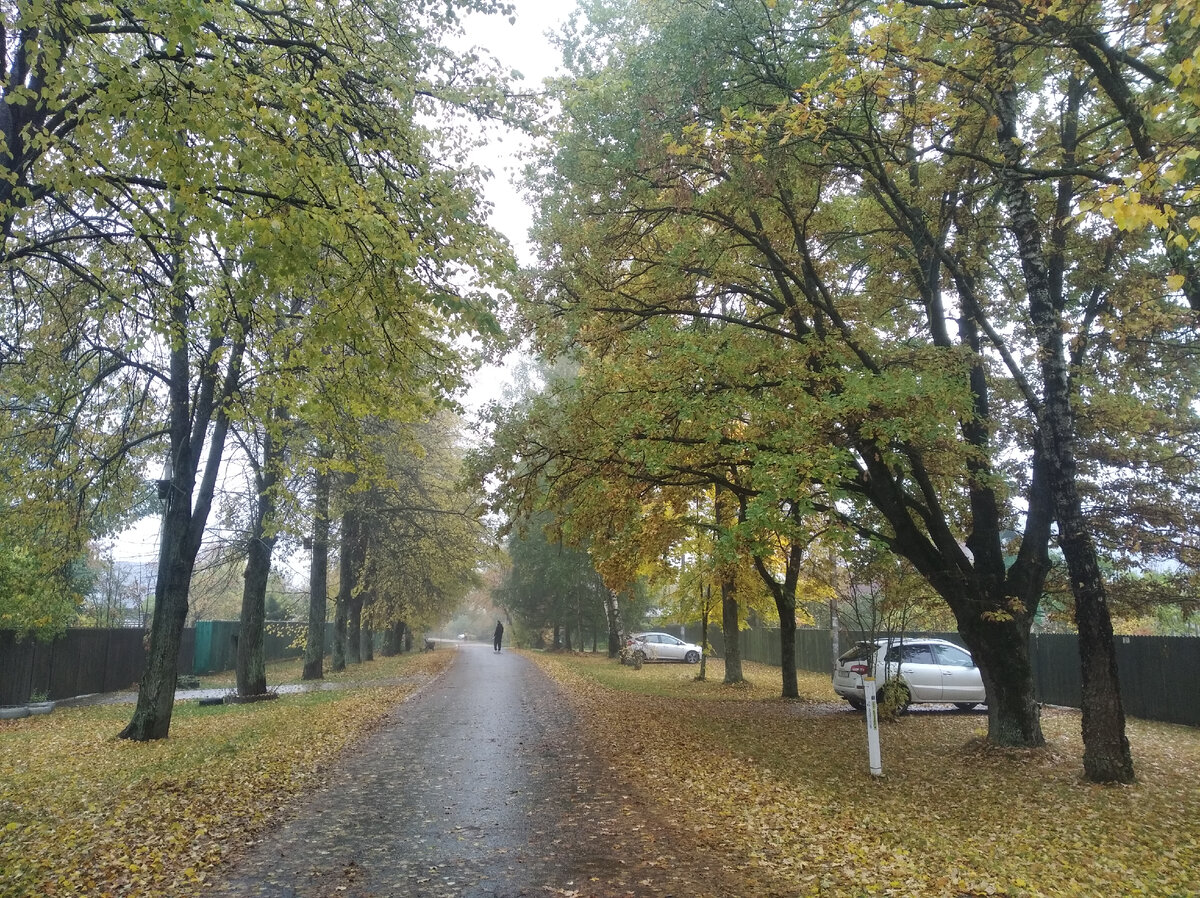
x: 926, y: 670
x: 665, y: 647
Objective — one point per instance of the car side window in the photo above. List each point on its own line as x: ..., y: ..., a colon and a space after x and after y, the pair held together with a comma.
x: 952, y: 656
x: 672, y: 640
x: 893, y: 655
x: 916, y: 654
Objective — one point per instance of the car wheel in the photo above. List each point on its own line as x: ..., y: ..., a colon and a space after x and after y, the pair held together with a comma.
x: 894, y: 698
x: 857, y: 704
x: 692, y: 657
x: 966, y: 706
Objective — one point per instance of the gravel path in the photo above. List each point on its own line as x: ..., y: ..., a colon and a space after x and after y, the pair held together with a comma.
x: 477, y: 786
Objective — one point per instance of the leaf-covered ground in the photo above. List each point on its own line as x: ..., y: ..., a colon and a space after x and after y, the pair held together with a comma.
x: 787, y: 782
x: 781, y: 785
x: 85, y: 813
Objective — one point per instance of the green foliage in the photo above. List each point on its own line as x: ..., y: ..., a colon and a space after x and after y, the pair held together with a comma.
x: 285, y: 198
x: 1143, y: 602
x: 36, y: 595
x: 848, y: 262
x: 215, y: 218
x: 549, y: 584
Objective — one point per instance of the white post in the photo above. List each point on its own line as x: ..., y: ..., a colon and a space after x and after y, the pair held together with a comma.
x: 872, y: 715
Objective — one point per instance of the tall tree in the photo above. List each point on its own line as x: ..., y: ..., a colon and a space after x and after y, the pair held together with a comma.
x: 267, y: 467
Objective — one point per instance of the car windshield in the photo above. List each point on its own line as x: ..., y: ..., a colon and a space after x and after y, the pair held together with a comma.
x: 862, y: 651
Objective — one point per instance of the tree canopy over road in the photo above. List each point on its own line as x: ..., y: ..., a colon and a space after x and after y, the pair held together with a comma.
x: 917, y: 278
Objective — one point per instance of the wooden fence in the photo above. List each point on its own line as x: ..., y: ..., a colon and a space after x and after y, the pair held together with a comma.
x: 1160, y: 675
x: 79, y: 662
x: 83, y: 661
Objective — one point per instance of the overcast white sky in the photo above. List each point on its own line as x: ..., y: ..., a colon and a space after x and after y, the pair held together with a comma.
x: 522, y: 46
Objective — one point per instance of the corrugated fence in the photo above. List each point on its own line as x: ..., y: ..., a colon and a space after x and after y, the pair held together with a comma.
x: 1160, y: 675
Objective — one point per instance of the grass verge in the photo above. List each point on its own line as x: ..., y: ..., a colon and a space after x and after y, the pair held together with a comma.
x: 85, y: 813
x: 787, y: 784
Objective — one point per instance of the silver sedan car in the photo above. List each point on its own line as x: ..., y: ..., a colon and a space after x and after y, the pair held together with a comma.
x: 665, y: 647
x: 920, y: 669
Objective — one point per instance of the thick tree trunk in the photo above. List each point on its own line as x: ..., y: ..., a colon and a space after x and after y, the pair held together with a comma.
x: 156, y: 688
x: 616, y: 631
x: 354, y: 654
x: 724, y: 514
x: 785, y: 603
x: 1106, y: 753
x: 784, y: 594
x: 1107, y: 757
x: 393, y: 639
x: 251, y: 654
x: 787, y: 649
x: 318, y: 579
x: 347, y: 581
x: 731, y: 631
x: 1001, y: 649
x: 251, y: 657
x: 341, y: 613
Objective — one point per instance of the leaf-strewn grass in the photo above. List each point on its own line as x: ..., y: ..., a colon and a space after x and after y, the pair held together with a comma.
x: 788, y: 783
x: 85, y: 813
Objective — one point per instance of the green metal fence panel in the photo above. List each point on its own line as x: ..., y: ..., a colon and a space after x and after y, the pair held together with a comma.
x: 814, y: 650
x: 216, y: 643
x: 220, y: 646
x: 1160, y: 675
x: 204, y: 634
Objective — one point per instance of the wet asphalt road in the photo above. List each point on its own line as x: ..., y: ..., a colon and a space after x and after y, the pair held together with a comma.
x: 477, y: 786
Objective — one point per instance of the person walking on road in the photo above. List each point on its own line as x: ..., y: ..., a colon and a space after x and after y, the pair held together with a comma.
x: 498, y: 636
